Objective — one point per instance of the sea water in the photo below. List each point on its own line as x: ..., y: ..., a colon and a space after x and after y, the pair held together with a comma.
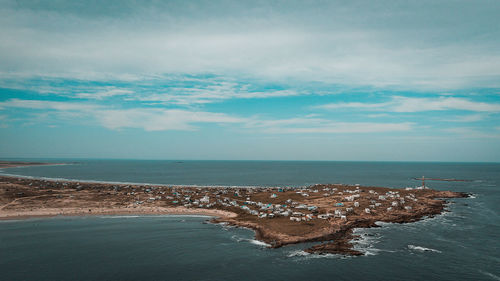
x: 461, y: 244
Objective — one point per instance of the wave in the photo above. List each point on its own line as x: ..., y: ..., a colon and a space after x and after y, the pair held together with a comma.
x: 252, y: 241
x: 493, y: 276
x: 302, y: 255
x: 298, y: 253
x: 365, y: 242
x: 422, y: 249
x: 259, y: 243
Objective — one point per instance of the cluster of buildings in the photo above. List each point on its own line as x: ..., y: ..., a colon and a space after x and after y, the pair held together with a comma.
x: 343, y: 204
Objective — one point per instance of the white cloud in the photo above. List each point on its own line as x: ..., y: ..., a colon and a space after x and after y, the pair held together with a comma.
x: 467, y: 118
x: 408, y: 104
x: 161, y: 119
x: 149, y: 119
x: 379, y: 115
x: 472, y: 133
x: 346, y: 127
x: 405, y: 104
x: 50, y: 105
x: 318, y: 125
x: 355, y: 105
x: 209, y: 94
x: 411, y: 45
x: 111, y: 92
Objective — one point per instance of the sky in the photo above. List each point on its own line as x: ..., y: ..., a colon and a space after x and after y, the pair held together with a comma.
x: 251, y: 80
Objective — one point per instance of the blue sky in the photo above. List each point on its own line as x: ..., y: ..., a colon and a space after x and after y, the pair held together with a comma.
x: 281, y: 80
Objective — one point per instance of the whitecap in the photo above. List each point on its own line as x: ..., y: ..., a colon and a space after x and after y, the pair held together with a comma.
x: 259, y: 243
x: 422, y: 249
x: 237, y: 239
x: 252, y: 241
x: 493, y: 276
x: 382, y: 223
x: 370, y: 251
x: 298, y: 253
x: 365, y: 242
x: 327, y: 256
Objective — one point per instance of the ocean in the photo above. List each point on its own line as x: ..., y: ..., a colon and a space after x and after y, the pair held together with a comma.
x: 461, y: 244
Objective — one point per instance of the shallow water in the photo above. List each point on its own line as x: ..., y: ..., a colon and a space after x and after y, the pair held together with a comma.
x: 461, y: 244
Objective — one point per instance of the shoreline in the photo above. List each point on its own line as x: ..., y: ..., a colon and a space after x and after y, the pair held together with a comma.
x: 81, y: 212
x: 18, y: 164
x: 279, y: 216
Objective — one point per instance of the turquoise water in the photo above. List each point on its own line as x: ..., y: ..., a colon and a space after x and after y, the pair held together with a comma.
x: 462, y: 244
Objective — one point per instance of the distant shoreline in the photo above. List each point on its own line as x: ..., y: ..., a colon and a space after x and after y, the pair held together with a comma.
x: 19, y: 164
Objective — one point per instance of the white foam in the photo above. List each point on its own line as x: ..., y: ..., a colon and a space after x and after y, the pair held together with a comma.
x: 327, y: 256
x: 259, y: 243
x: 382, y: 223
x: 301, y: 255
x: 365, y: 243
x: 298, y: 253
x: 422, y: 249
x: 236, y: 238
x: 370, y: 251
x: 493, y: 276
x: 252, y: 241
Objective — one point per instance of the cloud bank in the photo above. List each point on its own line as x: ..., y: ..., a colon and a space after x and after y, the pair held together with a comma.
x: 411, y: 104
x: 419, y: 45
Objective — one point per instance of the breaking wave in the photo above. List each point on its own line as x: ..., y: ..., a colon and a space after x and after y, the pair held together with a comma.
x: 493, y: 276
x: 252, y: 241
x: 259, y: 243
x: 422, y: 249
x: 365, y: 242
x: 297, y: 253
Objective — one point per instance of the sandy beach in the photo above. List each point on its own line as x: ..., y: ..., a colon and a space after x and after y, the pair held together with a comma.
x: 68, y: 211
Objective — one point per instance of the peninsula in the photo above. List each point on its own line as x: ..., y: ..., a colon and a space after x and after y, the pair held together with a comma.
x: 325, y: 213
